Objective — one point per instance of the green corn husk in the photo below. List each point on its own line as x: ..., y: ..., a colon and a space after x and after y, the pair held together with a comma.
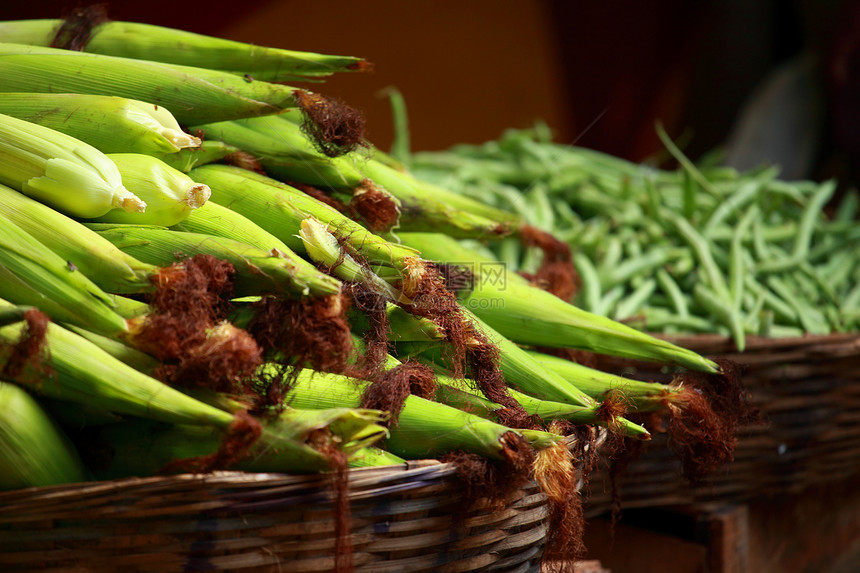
x: 34, y: 452
x: 424, y: 428
x: 157, y: 43
x: 528, y: 315
x: 374, y: 457
x: 286, y: 153
x: 638, y: 395
x: 193, y: 95
x: 170, y: 194
x: 279, y: 209
x: 291, y: 442
x: 137, y: 359
x: 108, y: 123
x: 61, y: 171
x: 448, y: 391
x: 524, y: 373
x: 32, y: 274
x: 209, y: 151
x: 322, y: 247
x: 257, y: 271
x: 213, y: 219
x: 108, y: 267
x: 80, y: 372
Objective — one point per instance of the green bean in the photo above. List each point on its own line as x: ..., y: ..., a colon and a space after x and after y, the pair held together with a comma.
x: 843, y: 241
x: 689, y: 192
x: 811, y: 320
x: 852, y: 299
x: 657, y: 319
x: 848, y: 207
x: 737, y: 262
x: 724, y: 311
x: 703, y: 252
x: 645, y: 263
x: 811, y: 214
x: 744, y: 194
x: 612, y: 256
x: 670, y: 287
x: 590, y: 291
x: 784, y: 311
x: 608, y: 301
x: 684, y: 161
x: 545, y: 218
x: 629, y: 306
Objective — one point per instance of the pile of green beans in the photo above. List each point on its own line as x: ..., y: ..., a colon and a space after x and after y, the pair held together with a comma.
x: 699, y: 249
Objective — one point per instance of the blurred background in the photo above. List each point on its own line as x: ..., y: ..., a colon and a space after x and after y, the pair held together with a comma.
x: 765, y: 81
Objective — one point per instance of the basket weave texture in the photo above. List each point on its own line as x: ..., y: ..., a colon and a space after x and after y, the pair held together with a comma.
x: 808, y: 391
x: 403, y: 518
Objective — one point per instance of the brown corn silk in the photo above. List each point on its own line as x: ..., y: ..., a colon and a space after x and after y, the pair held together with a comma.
x: 235, y: 445
x: 373, y: 305
x: 304, y: 331
x: 388, y: 390
x: 556, y: 476
x: 374, y: 209
x: 495, y: 481
x: 76, y: 30
x: 556, y: 273
x: 704, y: 418
x: 30, y: 349
x: 187, y: 332
x: 334, y: 127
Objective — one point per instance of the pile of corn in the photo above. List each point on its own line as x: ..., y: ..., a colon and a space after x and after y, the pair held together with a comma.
x: 200, y: 270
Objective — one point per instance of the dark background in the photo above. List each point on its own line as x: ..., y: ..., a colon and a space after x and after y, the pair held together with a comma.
x: 599, y: 73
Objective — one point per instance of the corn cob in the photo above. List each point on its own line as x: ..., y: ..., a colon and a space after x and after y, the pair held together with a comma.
x: 170, y: 194
x: 193, y: 95
x: 31, y: 273
x: 279, y: 209
x: 288, y: 154
x: 374, y: 457
x: 149, y: 42
x: 639, y: 396
x: 81, y: 372
x: 524, y: 373
x: 425, y: 428
x: 214, y: 219
x: 107, y: 266
x: 535, y: 317
x: 34, y: 451
x: 257, y: 271
x: 322, y: 246
x: 108, y: 123
x: 143, y: 448
x: 61, y: 171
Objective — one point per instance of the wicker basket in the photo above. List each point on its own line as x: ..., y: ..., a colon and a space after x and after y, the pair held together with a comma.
x: 808, y: 390
x: 403, y: 518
